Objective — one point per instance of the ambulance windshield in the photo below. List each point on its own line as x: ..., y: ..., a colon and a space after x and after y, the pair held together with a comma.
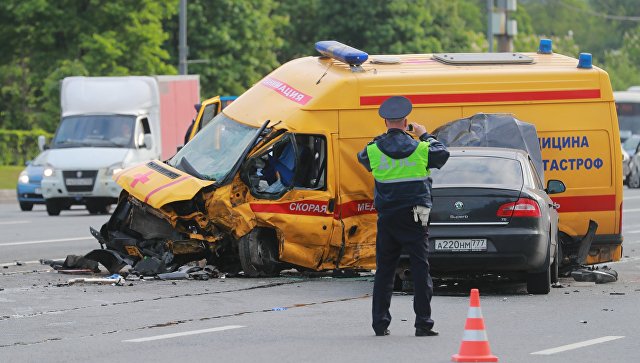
x: 214, y: 151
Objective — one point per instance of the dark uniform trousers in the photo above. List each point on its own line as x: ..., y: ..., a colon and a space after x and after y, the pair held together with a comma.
x: 398, y: 230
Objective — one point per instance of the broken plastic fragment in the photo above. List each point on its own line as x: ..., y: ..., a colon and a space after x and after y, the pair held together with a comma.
x: 597, y: 276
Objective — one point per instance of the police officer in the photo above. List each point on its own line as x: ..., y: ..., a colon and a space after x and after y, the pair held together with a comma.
x: 400, y: 166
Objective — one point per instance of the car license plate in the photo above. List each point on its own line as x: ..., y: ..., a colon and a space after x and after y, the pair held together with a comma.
x: 79, y: 181
x: 475, y: 244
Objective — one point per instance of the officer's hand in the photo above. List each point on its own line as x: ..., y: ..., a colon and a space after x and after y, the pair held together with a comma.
x: 418, y: 129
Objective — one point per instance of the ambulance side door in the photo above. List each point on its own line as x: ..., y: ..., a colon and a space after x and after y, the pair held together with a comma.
x: 209, y: 109
x: 292, y: 191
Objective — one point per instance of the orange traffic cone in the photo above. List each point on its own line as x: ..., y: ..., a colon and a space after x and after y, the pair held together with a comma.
x: 475, y: 345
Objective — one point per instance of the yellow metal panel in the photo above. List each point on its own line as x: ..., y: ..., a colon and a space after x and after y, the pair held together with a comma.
x: 157, y: 189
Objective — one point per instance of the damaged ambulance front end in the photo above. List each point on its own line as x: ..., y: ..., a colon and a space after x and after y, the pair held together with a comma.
x: 170, y: 213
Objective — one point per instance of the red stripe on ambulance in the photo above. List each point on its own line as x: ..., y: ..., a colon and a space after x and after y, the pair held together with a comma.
x: 489, y: 97
x: 355, y: 208
x: 146, y: 199
x: 587, y: 203
x: 305, y: 208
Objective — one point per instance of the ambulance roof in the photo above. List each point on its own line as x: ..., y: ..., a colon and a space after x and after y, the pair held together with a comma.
x: 322, y: 83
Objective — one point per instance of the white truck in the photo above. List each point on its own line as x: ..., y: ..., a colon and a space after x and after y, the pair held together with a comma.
x: 108, y: 124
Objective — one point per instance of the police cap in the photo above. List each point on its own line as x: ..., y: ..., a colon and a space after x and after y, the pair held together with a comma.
x: 395, y: 107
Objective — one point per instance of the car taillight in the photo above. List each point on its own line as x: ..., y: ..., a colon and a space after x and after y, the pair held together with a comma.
x: 524, y: 207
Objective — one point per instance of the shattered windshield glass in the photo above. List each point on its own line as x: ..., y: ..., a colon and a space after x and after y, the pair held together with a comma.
x: 95, y: 131
x: 214, y: 151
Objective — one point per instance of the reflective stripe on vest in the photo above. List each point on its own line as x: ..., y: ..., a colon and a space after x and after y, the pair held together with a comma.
x: 388, y: 170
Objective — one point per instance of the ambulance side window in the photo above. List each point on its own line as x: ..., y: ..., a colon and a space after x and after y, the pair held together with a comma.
x: 210, y: 111
x: 297, y: 161
x: 312, y: 156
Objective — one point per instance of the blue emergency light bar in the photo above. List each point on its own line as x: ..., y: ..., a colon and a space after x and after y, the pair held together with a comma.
x: 341, y: 52
x: 585, y: 60
x: 545, y: 46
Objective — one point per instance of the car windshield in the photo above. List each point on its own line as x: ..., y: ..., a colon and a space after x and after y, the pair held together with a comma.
x: 214, y: 151
x: 478, y: 171
x: 95, y: 131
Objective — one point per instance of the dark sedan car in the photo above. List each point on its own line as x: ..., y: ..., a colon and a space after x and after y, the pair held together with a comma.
x: 492, y: 214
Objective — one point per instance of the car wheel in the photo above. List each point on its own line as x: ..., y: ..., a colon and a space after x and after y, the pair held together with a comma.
x: 633, y: 180
x: 98, y: 208
x: 53, y: 207
x: 25, y: 207
x: 258, y: 252
x: 554, y: 266
x: 539, y: 283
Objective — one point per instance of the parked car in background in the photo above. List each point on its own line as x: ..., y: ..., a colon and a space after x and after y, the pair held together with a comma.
x: 633, y: 179
x: 630, y: 147
x: 632, y: 144
x: 29, y: 188
x: 492, y: 214
x: 626, y: 167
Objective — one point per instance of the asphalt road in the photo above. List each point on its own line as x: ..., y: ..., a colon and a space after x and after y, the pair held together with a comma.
x: 291, y: 318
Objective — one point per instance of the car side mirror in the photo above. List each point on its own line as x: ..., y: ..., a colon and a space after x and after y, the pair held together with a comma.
x: 555, y: 187
x: 148, y: 141
x: 41, y: 142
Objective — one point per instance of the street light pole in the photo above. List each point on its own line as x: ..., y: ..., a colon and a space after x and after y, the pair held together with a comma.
x: 490, y: 24
x: 182, y: 38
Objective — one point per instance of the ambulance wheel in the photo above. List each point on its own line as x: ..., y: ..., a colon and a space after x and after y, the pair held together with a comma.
x: 53, y: 207
x: 258, y: 252
x: 25, y: 207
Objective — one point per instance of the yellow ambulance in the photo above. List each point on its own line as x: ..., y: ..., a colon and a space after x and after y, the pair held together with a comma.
x: 208, y: 110
x: 273, y: 180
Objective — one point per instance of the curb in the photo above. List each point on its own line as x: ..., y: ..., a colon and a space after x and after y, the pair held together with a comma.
x: 8, y: 195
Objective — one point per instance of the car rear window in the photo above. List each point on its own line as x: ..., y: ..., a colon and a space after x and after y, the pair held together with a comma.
x: 479, y: 170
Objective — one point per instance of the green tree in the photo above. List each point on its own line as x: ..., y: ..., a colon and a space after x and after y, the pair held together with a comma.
x: 623, y: 64
x: 43, y: 41
x: 379, y: 26
x: 234, y: 41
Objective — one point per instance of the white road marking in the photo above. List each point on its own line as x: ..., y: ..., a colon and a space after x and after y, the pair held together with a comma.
x: 634, y: 231
x: 175, y: 335
x: 47, y: 241
x: 13, y: 222
x: 634, y: 210
x: 634, y: 197
x: 586, y: 343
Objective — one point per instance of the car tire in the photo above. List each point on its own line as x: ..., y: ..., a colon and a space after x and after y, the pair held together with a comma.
x: 25, y: 207
x: 555, y: 265
x: 633, y: 180
x: 539, y: 283
x: 98, y: 208
x: 53, y: 207
x: 258, y: 252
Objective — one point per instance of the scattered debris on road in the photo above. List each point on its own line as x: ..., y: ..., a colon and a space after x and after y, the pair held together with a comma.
x: 115, y: 280
x: 595, y: 274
